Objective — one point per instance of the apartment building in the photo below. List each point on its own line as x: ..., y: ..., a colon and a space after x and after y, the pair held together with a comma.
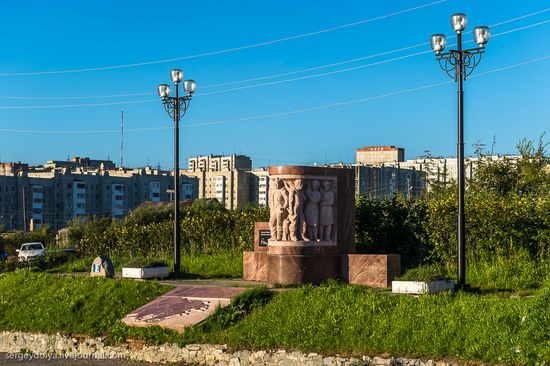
x: 259, y: 187
x: 377, y: 182
x: 225, y: 178
x: 60, y: 191
x: 373, y: 155
x: 434, y: 169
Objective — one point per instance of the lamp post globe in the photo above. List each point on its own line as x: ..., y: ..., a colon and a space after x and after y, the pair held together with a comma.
x: 176, y: 75
x: 163, y: 90
x: 459, y: 22
x: 438, y: 42
x: 189, y: 86
x: 482, y: 35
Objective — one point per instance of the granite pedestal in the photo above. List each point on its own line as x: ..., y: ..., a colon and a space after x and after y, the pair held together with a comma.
x: 285, y: 251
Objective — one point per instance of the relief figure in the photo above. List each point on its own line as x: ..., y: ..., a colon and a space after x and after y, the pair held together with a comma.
x: 312, y: 210
x: 326, y: 214
x: 296, y: 198
x: 278, y: 209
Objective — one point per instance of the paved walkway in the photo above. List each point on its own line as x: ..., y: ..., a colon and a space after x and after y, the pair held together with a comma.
x: 184, y: 306
x: 219, y: 282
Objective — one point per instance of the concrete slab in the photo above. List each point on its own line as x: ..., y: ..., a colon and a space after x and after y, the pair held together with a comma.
x: 182, y: 307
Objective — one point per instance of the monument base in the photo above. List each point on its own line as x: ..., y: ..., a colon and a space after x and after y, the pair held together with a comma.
x: 373, y: 270
x: 274, y: 267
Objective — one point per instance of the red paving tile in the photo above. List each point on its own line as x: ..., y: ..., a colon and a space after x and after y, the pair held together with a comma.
x: 209, y: 292
x: 183, y: 306
x: 166, y: 307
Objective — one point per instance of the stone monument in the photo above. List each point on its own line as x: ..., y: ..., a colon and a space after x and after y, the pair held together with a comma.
x: 102, y: 266
x: 312, y: 232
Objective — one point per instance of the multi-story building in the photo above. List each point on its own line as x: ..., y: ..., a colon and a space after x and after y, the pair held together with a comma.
x: 259, y: 187
x: 373, y: 155
x: 445, y: 170
x: 377, y: 182
x: 433, y: 169
x: 34, y: 196
x: 225, y: 178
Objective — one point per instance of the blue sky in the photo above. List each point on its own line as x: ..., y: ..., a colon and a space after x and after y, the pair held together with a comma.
x: 40, y: 36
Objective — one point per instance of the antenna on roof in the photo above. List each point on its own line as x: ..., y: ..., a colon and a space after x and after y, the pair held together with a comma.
x: 121, y: 138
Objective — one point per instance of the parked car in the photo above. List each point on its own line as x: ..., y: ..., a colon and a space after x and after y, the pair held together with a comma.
x: 30, y: 251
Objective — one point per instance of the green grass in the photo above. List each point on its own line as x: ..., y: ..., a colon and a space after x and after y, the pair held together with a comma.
x: 201, y: 266
x: 213, y: 266
x: 40, y: 302
x: 348, y: 319
x: 509, y: 274
x: 513, y: 274
x: 342, y: 319
x: 432, y: 272
x: 329, y: 319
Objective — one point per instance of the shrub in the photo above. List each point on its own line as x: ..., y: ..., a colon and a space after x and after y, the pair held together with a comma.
x: 392, y: 225
x: 206, y: 228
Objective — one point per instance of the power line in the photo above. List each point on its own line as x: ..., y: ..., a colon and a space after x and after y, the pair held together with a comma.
x: 279, y: 40
x: 263, y: 84
x: 279, y: 114
x: 285, y: 73
x: 255, y: 85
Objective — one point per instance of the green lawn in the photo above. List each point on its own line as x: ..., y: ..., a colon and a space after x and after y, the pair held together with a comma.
x: 343, y: 319
x: 199, y: 266
x: 349, y: 319
x: 332, y: 318
x: 39, y: 302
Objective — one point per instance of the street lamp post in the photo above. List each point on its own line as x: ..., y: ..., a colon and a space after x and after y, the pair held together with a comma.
x: 176, y: 107
x: 459, y: 64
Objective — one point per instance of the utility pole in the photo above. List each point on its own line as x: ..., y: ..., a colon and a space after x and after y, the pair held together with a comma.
x: 122, y: 139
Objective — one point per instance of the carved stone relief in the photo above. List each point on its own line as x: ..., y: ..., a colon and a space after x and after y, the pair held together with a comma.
x: 302, y: 209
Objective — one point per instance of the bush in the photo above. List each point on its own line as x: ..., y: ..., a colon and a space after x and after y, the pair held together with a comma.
x: 206, y: 228
x: 392, y: 225
x: 12, y: 241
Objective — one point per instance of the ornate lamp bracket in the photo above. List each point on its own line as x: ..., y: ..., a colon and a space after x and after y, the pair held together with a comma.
x: 450, y: 61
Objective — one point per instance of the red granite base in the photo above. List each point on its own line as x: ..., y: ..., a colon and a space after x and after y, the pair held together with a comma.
x: 373, y: 270
x: 290, y: 269
x: 255, y: 266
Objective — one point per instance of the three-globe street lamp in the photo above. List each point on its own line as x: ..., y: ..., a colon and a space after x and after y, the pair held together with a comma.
x: 176, y: 107
x: 459, y: 64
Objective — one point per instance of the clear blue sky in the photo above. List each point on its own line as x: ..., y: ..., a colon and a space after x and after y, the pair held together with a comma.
x: 66, y: 35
